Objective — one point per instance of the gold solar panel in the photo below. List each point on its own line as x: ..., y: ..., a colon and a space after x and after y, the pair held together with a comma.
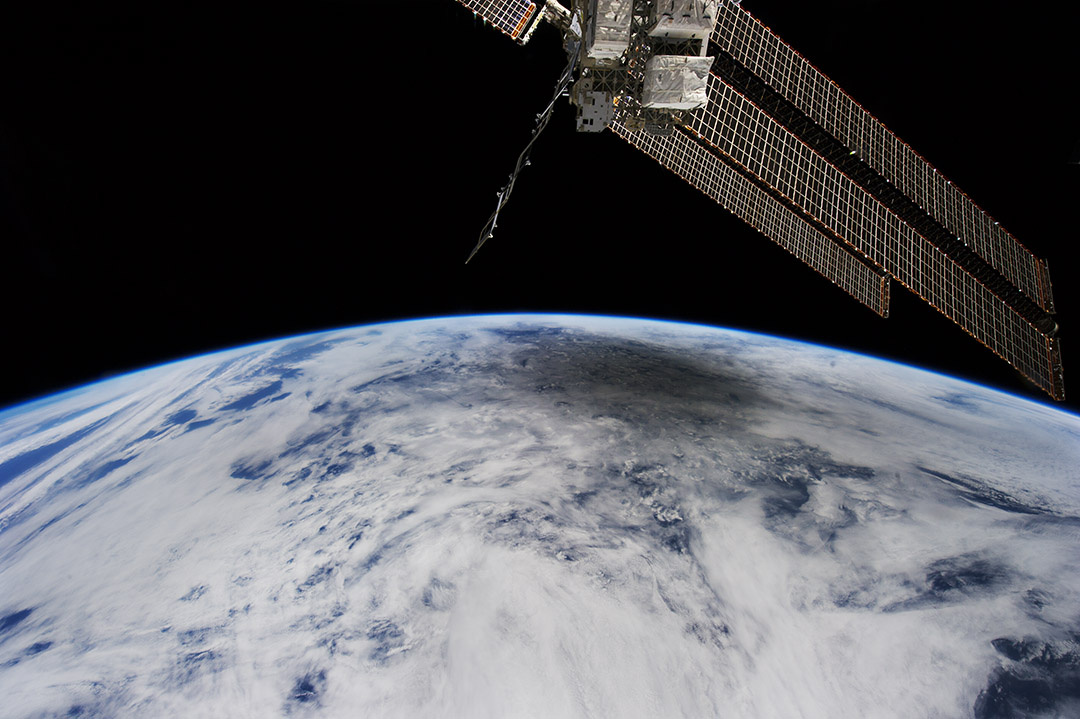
x: 785, y: 149
x: 691, y: 160
x: 512, y: 17
x: 768, y: 57
x: 736, y: 129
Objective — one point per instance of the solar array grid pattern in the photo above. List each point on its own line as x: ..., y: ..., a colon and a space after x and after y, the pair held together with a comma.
x: 736, y: 127
x: 777, y: 64
x: 688, y: 159
x: 509, y: 16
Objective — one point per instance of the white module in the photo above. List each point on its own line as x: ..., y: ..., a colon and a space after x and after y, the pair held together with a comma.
x: 682, y: 19
x: 676, y: 82
x: 609, y: 28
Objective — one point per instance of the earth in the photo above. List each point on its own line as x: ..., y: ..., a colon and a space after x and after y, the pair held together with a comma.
x: 538, y: 516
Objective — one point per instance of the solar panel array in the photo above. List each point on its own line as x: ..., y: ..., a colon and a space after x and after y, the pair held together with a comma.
x: 706, y: 171
x: 758, y: 49
x: 511, y: 17
x: 888, y: 215
x: 736, y: 129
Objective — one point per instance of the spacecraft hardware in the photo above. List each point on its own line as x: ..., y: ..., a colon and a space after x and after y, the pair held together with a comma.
x: 717, y: 98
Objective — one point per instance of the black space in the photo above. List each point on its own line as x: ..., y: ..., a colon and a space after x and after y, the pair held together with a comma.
x: 182, y: 177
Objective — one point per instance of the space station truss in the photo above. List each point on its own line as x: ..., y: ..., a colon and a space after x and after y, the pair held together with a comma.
x: 515, y: 18
x: 782, y: 147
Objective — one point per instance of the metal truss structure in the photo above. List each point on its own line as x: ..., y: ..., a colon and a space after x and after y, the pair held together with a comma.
x: 784, y: 148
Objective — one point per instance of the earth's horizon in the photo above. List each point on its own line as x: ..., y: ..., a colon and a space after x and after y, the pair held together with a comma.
x: 56, y: 394
x: 539, y: 515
